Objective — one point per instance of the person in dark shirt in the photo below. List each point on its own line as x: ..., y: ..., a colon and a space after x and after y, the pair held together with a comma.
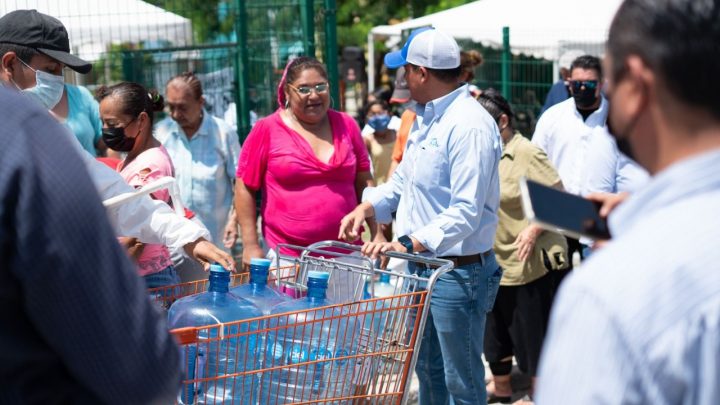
x: 76, y: 325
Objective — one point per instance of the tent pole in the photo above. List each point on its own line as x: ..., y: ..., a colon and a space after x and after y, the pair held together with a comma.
x: 242, y: 107
x: 505, y: 67
x: 331, y: 51
x: 371, y: 62
x: 307, y: 15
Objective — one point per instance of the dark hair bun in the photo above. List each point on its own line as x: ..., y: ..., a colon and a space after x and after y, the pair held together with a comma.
x: 156, y: 100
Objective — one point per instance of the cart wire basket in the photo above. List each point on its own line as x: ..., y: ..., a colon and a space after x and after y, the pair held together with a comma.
x: 360, y: 350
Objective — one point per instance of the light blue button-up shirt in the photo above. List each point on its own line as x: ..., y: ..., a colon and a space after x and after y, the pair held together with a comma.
x: 204, y: 168
x: 639, y: 322
x: 446, y: 189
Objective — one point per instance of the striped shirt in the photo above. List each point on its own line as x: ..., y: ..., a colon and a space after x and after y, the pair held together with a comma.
x: 640, y: 321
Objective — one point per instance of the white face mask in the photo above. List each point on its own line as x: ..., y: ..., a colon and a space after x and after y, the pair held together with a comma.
x: 48, y: 88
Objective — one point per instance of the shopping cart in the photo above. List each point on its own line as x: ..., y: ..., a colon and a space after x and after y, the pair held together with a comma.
x: 371, y: 355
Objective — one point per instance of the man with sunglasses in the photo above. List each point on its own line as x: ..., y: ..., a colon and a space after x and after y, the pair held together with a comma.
x: 640, y: 324
x: 567, y: 132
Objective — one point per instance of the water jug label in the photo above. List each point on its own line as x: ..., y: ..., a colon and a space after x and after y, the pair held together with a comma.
x: 298, y: 354
x: 320, y: 354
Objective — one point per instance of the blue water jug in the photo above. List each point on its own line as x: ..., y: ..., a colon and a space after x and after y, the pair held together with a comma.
x: 298, y: 339
x: 377, y: 317
x: 381, y: 321
x: 257, y: 291
x: 216, y: 354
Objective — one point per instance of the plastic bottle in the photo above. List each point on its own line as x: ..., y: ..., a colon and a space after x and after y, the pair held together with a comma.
x: 329, y: 340
x: 211, y: 357
x: 257, y: 290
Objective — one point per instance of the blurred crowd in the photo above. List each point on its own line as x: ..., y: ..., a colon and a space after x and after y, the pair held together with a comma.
x: 431, y: 166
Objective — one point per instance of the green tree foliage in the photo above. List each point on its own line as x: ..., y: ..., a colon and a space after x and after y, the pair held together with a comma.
x: 211, y: 19
x: 357, y: 17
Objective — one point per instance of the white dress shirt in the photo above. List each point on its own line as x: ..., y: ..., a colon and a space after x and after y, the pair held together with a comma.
x: 446, y: 190
x: 566, y: 139
x: 639, y: 323
x: 608, y: 170
x: 149, y: 220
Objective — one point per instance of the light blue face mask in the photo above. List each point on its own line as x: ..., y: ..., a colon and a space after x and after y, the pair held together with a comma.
x: 48, y: 88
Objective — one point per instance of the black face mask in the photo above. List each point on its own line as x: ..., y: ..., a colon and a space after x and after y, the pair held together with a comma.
x: 584, y: 98
x: 116, y: 140
x: 622, y: 139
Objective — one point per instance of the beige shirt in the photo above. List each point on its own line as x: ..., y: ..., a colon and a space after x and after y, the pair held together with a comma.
x: 522, y: 158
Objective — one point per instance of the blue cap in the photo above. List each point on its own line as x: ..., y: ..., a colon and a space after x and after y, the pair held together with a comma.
x: 394, y: 60
x: 318, y: 275
x: 216, y: 268
x: 260, y: 262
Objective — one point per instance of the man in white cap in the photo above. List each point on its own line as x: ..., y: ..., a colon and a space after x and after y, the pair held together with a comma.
x: 446, y: 193
x: 34, y: 49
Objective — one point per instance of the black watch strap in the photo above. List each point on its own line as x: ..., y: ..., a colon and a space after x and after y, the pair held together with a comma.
x: 407, y: 242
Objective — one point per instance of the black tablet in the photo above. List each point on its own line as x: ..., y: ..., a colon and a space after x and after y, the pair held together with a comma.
x: 562, y: 212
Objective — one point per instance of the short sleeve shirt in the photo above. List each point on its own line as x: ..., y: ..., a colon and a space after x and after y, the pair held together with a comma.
x: 521, y: 158
x: 303, y: 198
x: 83, y: 118
x: 147, y: 167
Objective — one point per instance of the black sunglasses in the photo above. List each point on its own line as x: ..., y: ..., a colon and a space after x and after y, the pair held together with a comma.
x: 588, y: 84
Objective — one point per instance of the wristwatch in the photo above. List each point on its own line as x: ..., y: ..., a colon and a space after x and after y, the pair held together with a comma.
x: 407, y: 242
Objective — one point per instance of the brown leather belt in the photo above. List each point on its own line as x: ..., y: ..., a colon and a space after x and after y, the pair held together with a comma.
x: 469, y: 259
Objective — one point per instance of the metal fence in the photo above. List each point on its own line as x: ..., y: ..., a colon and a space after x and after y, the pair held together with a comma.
x: 523, y: 78
x: 238, y: 48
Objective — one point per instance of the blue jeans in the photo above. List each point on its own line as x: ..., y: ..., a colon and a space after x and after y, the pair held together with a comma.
x: 163, y: 278
x: 449, y: 362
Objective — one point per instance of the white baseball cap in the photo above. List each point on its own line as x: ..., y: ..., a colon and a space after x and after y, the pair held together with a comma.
x: 426, y: 47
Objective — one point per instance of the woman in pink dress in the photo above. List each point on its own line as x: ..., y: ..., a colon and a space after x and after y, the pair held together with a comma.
x: 126, y: 111
x: 308, y: 162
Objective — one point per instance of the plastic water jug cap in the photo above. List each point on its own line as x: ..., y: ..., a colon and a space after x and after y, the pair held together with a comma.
x: 260, y: 262
x: 318, y: 275
x: 217, y: 268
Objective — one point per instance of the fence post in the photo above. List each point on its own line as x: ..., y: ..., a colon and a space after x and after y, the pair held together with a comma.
x: 331, y: 53
x: 241, y: 74
x: 505, y: 67
x: 307, y: 14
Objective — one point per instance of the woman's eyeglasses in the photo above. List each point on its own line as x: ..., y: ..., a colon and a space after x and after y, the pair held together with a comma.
x: 588, y: 84
x: 306, y: 90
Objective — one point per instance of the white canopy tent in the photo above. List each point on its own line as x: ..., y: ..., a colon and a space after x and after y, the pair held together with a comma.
x: 542, y: 28
x: 95, y: 24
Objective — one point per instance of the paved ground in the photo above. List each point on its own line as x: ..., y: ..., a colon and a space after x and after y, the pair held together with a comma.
x: 519, y: 381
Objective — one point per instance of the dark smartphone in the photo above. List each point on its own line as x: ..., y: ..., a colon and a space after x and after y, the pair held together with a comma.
x: 562, y: 212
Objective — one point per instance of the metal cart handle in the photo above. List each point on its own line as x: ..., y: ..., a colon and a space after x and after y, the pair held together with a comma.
x: 440, y: 263
x: 159, y: 184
